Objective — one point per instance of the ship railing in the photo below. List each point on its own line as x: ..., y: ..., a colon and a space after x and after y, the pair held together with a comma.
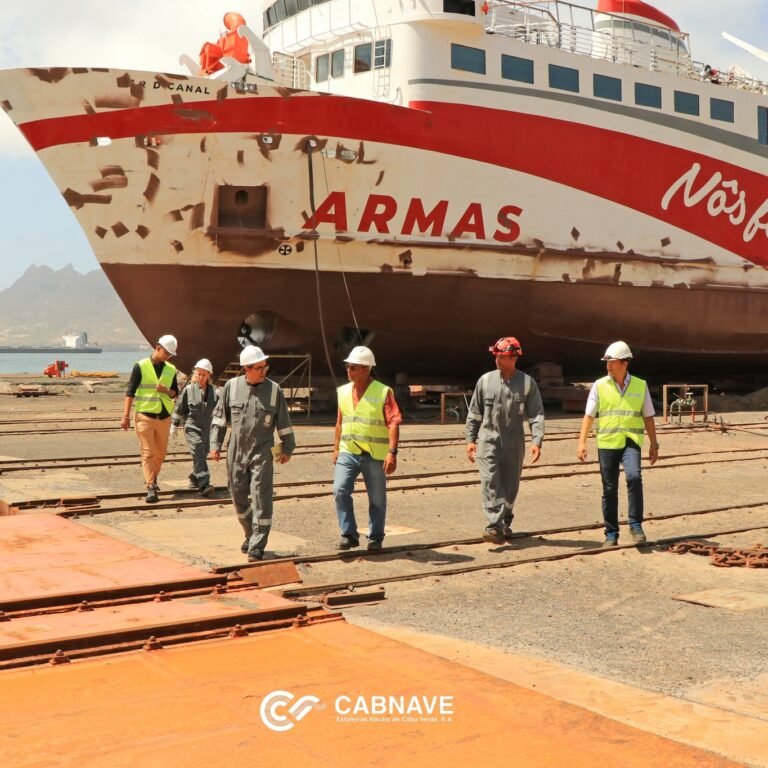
x: 290, y: 71
x: 587, y: 32
x: 732, y: 77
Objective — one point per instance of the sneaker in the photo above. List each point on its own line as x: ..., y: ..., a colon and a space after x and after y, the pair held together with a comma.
x: 207, y: 490
x: 348, y: 542
x: 507, y: 533
x: 244, y: 547
x: 374, y: 545
x: 610, y: 541
x: 193, y: 484
x: 255, y: 556
x: 151, y: 497
x: 638, y: 535
x: 493, y: 536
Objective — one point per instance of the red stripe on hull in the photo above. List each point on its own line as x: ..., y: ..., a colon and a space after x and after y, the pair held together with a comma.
x: 619, y: 167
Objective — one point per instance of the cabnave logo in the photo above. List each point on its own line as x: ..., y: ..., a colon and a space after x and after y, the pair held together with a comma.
x: 276, y: 713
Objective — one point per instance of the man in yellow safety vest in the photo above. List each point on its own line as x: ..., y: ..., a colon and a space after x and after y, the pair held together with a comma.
x: 625, y: 413
x: 367, y: 434
x: 152, y: 389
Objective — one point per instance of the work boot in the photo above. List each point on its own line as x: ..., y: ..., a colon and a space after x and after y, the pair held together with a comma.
x: 493, y: 536
x: 638, y: 535
x: 374, y: 546
x: 610, y: 541
x: 348, y: 542
x: 255, y: 556
x: 207, y: 490
x: 151, y: 497
x: 244, y: 547
x: 507, y: 533
x: 193, y: 485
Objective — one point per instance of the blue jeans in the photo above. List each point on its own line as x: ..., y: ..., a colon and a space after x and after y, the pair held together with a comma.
x: 348, y: 467
x: 610, y: 460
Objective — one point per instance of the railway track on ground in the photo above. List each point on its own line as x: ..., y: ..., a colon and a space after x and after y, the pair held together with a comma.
x: 465, y: 477
x: 228, y: 584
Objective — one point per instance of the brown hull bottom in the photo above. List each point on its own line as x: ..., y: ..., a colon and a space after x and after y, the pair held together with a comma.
x: 439, y: 327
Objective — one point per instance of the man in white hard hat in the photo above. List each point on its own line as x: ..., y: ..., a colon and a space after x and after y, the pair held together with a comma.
x: 366, y: 439
x: 502, y: 402
x: 255, y: 407
x: 194, y: 409
x: 624, y: 410
x: 152, y: 389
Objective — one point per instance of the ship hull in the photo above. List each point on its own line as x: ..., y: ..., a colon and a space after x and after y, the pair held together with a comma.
x: 438, y: 329
x: 321, y: 221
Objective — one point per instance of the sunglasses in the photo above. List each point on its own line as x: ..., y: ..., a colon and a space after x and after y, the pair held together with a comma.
x: 258, y: 368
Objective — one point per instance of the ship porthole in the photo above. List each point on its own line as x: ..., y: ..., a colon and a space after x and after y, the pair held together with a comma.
x: 241, y: 198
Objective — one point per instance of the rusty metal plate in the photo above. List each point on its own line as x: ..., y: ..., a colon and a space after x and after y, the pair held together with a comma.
x: 49, y: 560
x: 45, y: 633
x: 219, y: 703
x: 271, y: 574
x: 732, y: 599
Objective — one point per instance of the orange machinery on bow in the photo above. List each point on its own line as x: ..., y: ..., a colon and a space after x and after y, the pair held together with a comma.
x: 229, y: 44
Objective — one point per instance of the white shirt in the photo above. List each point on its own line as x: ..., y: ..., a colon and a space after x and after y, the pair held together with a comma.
x: 593, y: 401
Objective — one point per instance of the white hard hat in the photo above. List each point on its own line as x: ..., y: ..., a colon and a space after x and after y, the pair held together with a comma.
x: 168, y: 343
x: 619, y: 350
x: 361, y: 356
x: 205, y: 364
x: 252, y: 355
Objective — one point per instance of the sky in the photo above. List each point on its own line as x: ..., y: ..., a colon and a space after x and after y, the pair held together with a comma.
x: 151, y: 35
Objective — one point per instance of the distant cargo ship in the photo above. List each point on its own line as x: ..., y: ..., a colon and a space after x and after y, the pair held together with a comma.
x: 75, y: 343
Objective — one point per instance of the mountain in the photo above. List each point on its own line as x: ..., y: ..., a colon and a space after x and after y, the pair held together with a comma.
x: 44, y: 304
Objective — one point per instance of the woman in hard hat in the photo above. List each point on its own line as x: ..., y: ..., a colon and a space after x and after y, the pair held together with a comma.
x: 151, y: 390
x: 194, y: 409
x: 625, y: 413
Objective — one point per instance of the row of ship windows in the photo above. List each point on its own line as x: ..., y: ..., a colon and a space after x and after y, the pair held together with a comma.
x: 604, y: 87
x: 284, y: 9
x: 367, y: 56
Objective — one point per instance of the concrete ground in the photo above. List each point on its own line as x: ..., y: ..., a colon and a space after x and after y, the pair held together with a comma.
x: 604, y: 631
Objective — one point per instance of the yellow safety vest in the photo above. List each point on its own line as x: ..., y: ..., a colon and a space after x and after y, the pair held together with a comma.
x: 148, y: 399
x: 620, y: 416
x: 363, y: 427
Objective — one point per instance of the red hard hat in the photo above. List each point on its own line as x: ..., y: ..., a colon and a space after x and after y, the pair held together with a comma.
x: 508, y: 345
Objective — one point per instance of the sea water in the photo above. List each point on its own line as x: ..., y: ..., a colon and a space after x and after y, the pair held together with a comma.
x: 34, y: 363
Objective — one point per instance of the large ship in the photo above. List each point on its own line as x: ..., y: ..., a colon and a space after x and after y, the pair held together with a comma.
x: 425, y: 177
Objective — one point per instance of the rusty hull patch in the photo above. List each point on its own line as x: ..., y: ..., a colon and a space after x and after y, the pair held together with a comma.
x: 320, y: 144
x: 196, y: 115
x: 152, y: 186
x: 142, y: 231
x: 177, y: 246
x: 109, y: 182
x: 88, y: 107
x: 6, y: 105
x: 222, y: 93
x: 116, y: 101
x: 77, y: 200
x: 203, y: 143
x: 197, y: 219
x: 119, y: 229
x: 100, y: 232
x: 50, y: 75
x: 240, y: 157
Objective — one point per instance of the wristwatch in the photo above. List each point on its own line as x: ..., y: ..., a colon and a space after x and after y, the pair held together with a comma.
x: 393, y: 451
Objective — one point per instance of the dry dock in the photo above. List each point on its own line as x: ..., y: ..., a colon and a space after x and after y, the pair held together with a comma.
x: 136, y: 635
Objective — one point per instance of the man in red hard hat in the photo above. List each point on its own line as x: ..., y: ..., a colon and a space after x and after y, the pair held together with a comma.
x: 502, y: 401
